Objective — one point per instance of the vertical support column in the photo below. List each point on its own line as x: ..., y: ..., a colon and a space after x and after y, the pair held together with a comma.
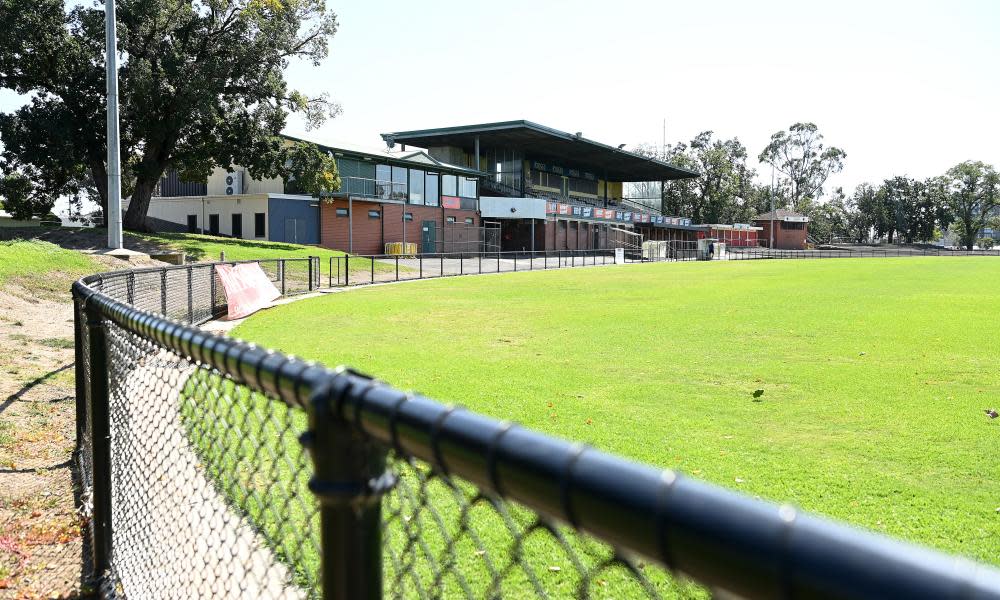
x: 311, y: 273
x: 281, y: 273
x: 80, y: 373
x: 100, y: 432
x: 350, y: 479
x: 190, y: 289
x: 347, y: 269
x: 212, y: 291
x: 163, y: 292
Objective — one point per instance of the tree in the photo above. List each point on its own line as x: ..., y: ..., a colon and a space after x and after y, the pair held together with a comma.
x: 800, y: 156
x: 201, y: 86
x: 861, y: 213
x: 20, y: 198
x: 724, y: 192
x: 972, y: 197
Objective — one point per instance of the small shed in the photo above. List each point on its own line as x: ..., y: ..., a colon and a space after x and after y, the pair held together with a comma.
x: 790, y: 229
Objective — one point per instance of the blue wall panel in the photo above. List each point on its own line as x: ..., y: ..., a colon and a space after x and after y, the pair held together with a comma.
x: 291, y: 220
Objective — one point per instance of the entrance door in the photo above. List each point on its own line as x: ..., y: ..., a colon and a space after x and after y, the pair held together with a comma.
x: 237, y: 226
x: 428, y: 237
x: 295, y: 231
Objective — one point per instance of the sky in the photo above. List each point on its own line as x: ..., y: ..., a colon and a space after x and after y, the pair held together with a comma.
x: 905, y: 88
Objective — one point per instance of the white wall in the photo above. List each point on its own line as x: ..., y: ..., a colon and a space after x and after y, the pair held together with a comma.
x: 524, y: 208
x: 217, y: 183
x: 176, y: 210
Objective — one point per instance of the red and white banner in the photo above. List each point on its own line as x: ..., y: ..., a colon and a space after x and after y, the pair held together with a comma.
x: 451, y: 202
x: 247, y: 288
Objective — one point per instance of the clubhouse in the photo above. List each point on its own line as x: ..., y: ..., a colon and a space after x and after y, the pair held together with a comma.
x: 511, y: 186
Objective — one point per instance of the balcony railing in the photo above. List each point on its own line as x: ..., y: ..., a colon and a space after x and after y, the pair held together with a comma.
x: 376, y: 189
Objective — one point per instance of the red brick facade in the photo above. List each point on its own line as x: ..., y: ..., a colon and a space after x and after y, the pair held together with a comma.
x: 450, y: 231
x: 787, y: 235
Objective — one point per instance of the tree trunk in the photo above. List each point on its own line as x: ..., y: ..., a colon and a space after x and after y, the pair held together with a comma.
x: 135, y: 216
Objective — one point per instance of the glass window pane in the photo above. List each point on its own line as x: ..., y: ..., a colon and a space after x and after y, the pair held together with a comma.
x: 431, y: 190
x: 383, y: 182
x: 468, y: 187
x: 416, y: 186
x: 398, y: 184
x: 449, y: 185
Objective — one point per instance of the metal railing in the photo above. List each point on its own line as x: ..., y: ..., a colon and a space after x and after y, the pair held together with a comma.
x: 214, y: 468
x: 375, y: 189
x: 760, y: 252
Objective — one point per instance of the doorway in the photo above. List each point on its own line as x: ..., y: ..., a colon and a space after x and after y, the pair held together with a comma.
x: 428, y: 237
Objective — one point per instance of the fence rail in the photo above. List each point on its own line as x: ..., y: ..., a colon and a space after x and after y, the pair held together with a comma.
x: 214, y: 468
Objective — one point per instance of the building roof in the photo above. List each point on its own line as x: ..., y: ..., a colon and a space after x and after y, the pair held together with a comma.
x: 608, y: 162
x: 410, y: 158
x: 781, y: 214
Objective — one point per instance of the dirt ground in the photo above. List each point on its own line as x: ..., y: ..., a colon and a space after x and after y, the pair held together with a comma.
x: 41, y: 550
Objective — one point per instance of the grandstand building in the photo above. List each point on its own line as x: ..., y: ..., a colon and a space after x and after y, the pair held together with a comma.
x: 546, y: 189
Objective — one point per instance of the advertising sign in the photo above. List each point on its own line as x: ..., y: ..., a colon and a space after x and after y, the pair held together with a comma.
x: 627, y: 216
x: 587, y: 211
x: 619, y: 256
x: 576, y: 211
x: 451, y: 202
x: 645, y: 218
x: 247, y: 288
x: 550, y: 208
x: 564, y: 209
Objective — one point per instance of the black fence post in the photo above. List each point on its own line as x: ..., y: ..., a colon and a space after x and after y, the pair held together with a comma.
x: 372, y: 260
x: 212, y: 291
x: 330, y: 271
x: 350, y: 479
x: 480, y: 263
x: 100, y: 440
x: 420, y: 260
x: 310, y: 288
x: 397, y: 267
x: 163, y: 292
x: 347, y: 270
x: 461, y: 263
x: 80, y: 373
x: 441, y: 267
x: 190, y: 287
x: 281, y: 273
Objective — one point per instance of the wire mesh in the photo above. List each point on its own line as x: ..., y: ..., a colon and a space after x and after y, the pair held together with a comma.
x: 209, y: 495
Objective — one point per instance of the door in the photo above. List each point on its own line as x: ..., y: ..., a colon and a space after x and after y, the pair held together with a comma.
x: 213, y: 224
x: 238, y: 226
x: 192, y: 223
x: 428, y: 237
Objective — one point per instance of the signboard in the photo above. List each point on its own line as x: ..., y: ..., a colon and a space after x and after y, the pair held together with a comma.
x: 626, y: 216
x: 619, y: 215
x: 450, y: 202
x: 645, y: 218
x: 551, y: 208
x: 619, y: 256
x: 247, y: 288
x: 564, y: 209
x: 587, y: 211
x: 577, y: 211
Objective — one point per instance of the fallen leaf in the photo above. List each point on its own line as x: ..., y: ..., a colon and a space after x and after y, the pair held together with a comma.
x: 758, y: 393
x: 555, y: 569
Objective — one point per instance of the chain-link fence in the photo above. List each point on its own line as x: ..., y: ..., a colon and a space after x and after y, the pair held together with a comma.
x: 213, y: 468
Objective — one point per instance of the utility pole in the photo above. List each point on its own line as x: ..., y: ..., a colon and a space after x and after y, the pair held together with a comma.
x: 114, y: 162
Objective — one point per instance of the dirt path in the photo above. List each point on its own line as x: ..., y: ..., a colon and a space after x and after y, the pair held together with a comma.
x: 41, y: 550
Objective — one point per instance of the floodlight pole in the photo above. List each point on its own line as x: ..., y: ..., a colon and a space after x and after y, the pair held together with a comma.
x: 114, y: 216
x: 771, y: 229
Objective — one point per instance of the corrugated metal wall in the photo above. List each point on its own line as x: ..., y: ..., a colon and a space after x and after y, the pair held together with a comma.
x: 171, y: 186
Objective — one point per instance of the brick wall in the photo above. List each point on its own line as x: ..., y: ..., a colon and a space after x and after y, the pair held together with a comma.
x: 371, y: 234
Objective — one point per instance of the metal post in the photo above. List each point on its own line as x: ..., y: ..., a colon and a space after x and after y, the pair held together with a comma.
x: 330, y: 272
x: 310, y: 274
x: 350, y: 478
x: 397, y: 266
x: 350, y: 224
x: 420, y: 259
x: 461, y: 264
x: 281, y: 270
x: 480, y: 262
x: 190, y: 274
x: 347, y: 269
x: 163, y: 292
x: 372, y: 260
x: 441, y: 268
x: 100, y: 441
x: 81, y: 375
x: 114, y: 216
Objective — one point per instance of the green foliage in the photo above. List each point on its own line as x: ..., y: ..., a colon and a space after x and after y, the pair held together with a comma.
x: 805, y: 162
x: 972, y: 195
x: 202, y: 87
x: 314, y: 171
x: 986, y: 243
x: 22, y: 199
x: 901, y: 455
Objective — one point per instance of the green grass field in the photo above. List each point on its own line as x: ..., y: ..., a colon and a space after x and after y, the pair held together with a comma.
x: 875, y: 372
x: 41, y: 267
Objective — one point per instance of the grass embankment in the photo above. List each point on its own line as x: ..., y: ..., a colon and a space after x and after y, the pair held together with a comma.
x: 874, y: 372
x: 198, y: 247
x: 41, y: 267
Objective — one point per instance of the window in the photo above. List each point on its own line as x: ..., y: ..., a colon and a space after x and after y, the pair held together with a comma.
x: 237, y: 229
x: 468, y: 187
x: 793, y: 225
x: 192, y: 223
x: 374, y: 214
x: 342, y: 212
x: 383, y: 181
x: 407, y: 216
x: 449, y: 219
x: 398, y: 184
x: 258, y: 225
x: 449, y: 185
x: 431, y: 190
x: 416, y: 186
x: 213, y: 224
x: 469, y: 220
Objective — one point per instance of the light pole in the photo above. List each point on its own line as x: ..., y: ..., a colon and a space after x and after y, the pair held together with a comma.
x: 114, y: 164
x: 771, y: 229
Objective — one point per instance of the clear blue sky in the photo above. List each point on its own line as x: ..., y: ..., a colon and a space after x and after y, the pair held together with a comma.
x: 903, y: 87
